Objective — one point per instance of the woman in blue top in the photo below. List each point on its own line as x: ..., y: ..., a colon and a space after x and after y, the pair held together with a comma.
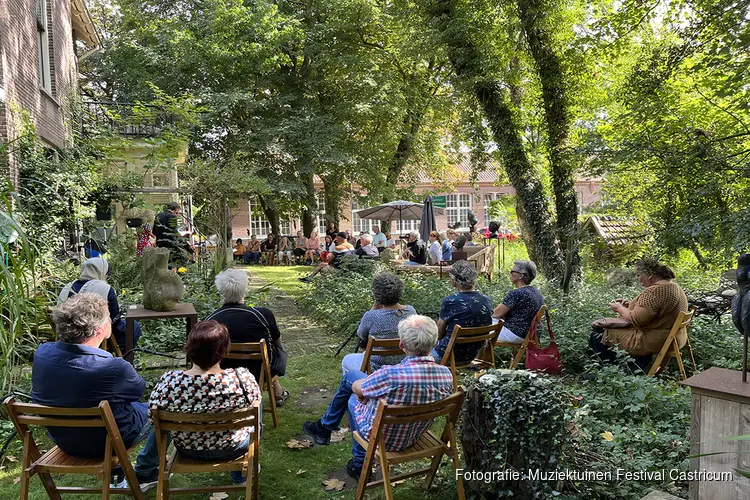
x: 381, y: 321
x: 520, y: 305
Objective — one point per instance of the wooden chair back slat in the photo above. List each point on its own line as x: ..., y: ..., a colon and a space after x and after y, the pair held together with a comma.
x: 258, y: 351
x: 470, y: 335
x: 24, y: 415
x: 228, y: 421
x: 386, y: 415
x: 380, y: 347
x: 670, y: 348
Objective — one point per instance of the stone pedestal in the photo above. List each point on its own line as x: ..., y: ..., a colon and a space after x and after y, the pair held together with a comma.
x: 720, y: 410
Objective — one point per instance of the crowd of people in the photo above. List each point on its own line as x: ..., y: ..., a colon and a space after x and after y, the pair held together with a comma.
x: 76, y: 372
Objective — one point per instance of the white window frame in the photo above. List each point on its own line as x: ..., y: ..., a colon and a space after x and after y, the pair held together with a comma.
x: 457, y: 207
x: 359, y: 224
x: 43, y: 43
x: 320, y: 201
x: 490, y: 197
x: 258, y: 222
x: 404, y: 226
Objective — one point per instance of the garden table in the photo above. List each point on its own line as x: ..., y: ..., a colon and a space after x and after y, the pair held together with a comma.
x: 183, y: 310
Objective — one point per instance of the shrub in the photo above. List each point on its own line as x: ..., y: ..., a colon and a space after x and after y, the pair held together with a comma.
x: 515, y: 421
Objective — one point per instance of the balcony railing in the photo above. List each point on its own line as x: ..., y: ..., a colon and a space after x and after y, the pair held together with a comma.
x: 123, y: 118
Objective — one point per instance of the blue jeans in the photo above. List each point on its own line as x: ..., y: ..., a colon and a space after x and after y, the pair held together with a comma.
x: 254, y: 256
x: 352, y: 362
x: 345, y: 399
x: 226, y: 454
x: 436, y: 356
x: 147, y: 463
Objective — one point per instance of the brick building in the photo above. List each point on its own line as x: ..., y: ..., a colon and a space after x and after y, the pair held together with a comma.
x: 463, y: 196
x: 41, y: 42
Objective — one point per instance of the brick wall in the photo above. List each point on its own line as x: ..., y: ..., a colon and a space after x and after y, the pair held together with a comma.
x: 19, y: 76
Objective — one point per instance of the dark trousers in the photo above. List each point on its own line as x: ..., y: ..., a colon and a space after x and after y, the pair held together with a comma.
x: 606, y: 355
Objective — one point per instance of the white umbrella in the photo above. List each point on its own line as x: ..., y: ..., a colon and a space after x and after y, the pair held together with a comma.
x: 405, y: 210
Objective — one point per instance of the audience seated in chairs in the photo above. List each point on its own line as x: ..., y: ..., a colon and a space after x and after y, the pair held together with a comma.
x: 416, y: 380
x: 285, y: 251
x: 252, y: 251
x: 415, y: 249
x: 313, y: 248
x: 239, y: 250
x: 269, y: 249
x: 300, y: 246
x: 520, y: 305
x: 366, y: 248
x: 643, y: 324
x: 341, y: 248
x: 207, y: 388
x: 447, y: 246
x: 93, y: 279
x: 75, y: 373
x: 381, y: 321
x: 467, y: 308
x: 247, y: 324
x: 435, y: 251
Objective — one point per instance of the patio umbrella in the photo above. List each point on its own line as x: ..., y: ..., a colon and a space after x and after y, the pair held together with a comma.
x: 400, y: 209
x: 428, y: 223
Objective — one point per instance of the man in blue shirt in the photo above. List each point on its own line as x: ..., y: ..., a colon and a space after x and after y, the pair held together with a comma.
x: 75, y: 373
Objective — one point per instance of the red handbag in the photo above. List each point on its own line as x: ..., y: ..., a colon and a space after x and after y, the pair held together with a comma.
x: 543, y: 359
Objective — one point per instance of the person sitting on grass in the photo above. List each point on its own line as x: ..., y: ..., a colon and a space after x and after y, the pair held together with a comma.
x: 74, y: 373
x: 380, y: 322
x: 248, y: 324
x: 466, y: 308
x: 417, y: 380
x: 207, y: 388
x: 520, y: 305
x: 93, y: 279
x: 366, y: 248
x: 341, y: 248
x: 269, y: 249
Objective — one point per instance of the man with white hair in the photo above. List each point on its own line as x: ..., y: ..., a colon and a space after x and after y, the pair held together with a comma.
x: 415, y: 249
x: 416, y: 380
x: 248, y: 324
x: 366, y: 247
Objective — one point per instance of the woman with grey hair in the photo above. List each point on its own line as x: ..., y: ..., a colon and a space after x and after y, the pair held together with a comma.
x: 415, y: 250
x: 520, y: 305
x: 381, y: 321
x: 367, y: 248
x: 466, y: 308
x: 249, y: 324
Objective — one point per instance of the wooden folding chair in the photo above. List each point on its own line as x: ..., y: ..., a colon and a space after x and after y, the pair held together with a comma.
x: 487, y: 334
x: 110, y: 345
x: 258, y: 351
x: 165, y: 422
x: 380, y: 347
x: 520, y: 349
x: 428, y: 445
x: 671, y: 348
x: 56, y: 461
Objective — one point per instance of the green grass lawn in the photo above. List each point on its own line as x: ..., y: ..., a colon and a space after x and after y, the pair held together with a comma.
x: 286, y: 473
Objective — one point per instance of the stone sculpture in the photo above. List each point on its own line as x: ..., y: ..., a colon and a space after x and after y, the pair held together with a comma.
x: 162, y: 289
x: 741, y: 305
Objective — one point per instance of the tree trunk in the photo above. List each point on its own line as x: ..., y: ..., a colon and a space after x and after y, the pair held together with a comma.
x: 526, y: 231
x: 272, y: 215
x: 332, y: 196
x: 309, y: 210
x: 466, y: 61
x: 554, y: 95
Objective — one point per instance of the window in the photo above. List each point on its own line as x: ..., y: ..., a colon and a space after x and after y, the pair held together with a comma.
x: 457, y: 208
x: 258, y: 222
x: 404, y: 226
x: 358, y: 224
x: 321, y: 202
x: 43, y: 45
x: 488, y: 199
x: 285, y: 227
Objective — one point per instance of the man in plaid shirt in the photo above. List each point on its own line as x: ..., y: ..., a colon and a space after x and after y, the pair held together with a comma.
x: 416, y: 380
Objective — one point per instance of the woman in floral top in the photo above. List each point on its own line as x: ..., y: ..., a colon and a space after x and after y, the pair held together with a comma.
x: 206, y: 388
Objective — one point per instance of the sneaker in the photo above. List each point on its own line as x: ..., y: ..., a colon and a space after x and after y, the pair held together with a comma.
x: 320, y: 434
x: 146, y: 482
x: 353, y: 470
